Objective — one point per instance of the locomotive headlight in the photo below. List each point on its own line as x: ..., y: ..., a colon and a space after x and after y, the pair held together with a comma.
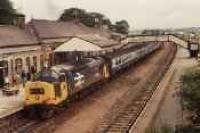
x: 37, y: 97
x: 50, y: 101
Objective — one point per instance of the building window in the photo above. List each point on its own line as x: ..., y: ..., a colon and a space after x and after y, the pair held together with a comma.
x: 4, y: 65
x: 41, y: 61
x: 3, y: 72
x: 12, y: 67
x: 18, y: 65
x: 35, y: 62
x: 28, y: 64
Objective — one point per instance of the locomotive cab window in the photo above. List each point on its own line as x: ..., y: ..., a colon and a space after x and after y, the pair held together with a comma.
x: 57, y: 90
x: 62, y: 78
x: 48, y: 76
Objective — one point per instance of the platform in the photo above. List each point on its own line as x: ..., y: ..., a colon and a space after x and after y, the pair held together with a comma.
x: 11, y: 104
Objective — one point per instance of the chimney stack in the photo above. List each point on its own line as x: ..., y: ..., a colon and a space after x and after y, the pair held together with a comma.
x: 19, y: 21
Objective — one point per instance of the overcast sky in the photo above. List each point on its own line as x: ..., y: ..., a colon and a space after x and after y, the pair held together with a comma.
x: 139, y: 13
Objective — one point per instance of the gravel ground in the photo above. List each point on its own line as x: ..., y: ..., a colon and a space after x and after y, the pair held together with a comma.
x: 84, y: 115
x: 170, y: 113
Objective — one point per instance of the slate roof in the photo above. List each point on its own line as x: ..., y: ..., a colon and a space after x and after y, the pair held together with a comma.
x: 101, y: 41
x: 14, y: 36
x: 46, y: 29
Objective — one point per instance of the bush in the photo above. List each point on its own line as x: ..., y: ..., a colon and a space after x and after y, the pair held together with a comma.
x: 163, y: 129
x: 190, y: 89
x: 188, y: 129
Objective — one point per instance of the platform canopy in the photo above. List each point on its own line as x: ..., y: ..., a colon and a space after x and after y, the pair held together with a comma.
x: 79, y: 45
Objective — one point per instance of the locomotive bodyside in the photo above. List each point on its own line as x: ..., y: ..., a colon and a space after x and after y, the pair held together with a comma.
x: 55, y: 87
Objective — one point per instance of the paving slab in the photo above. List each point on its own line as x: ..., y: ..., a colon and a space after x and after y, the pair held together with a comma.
x: 11, y: 104
x: 164, y: 107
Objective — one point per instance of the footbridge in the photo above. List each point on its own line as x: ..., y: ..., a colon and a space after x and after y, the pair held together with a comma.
x: 161, y: 38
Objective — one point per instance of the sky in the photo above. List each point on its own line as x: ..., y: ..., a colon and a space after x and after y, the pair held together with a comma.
x: 141, y: 14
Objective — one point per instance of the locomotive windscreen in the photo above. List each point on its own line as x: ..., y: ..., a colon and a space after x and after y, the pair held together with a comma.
x: 48, y: 76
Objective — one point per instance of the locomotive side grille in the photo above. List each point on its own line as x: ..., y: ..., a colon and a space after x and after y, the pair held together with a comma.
x: 37, y: 91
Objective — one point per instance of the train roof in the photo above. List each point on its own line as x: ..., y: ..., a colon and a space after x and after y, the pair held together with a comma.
x: 127, y: 48
x: 86, y: 62
x: 65, y: 67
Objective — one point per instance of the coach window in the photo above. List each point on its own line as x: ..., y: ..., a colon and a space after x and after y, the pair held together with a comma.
x: 51, y: 59
x: 116, y: 61
x: 62, y: 78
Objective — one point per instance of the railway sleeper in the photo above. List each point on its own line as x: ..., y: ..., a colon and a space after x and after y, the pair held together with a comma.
x: 117, y: 130
x: 124, y: 117
x: 128, y: 113
x: 122, y: 122
x: 112, y: 127
x: 114, y: 123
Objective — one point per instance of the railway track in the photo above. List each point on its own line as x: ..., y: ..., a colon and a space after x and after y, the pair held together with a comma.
x: 125, y: 111
x: 11, y: 123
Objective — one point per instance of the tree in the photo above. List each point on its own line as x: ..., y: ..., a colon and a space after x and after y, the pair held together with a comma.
x: 190, y: 88
x: 88, y: 20
x: 7, y: 12
x: 94, y: 19
x: 91, y: 19
x: 72, y: 14
x: 78, y: 14
x: 107, y: 21
x: 122, y: 27
x: 7, y: 5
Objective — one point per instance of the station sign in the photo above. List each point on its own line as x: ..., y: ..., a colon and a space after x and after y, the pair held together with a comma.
x: 194, y: 49
x: 194, y: 46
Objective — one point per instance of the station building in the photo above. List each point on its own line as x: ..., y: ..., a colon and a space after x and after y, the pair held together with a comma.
x: 52, y: 34
x: 19, y: 50
x: 23, y: 46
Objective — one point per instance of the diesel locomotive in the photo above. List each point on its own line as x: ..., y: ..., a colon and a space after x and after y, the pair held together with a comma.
x: 54, y: 87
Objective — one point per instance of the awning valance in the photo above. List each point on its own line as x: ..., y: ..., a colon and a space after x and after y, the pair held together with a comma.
x: 19, y: 49
x: 79, y: 45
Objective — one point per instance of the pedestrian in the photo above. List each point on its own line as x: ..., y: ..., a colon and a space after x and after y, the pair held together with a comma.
x: 33, y: 72
x: 23, y: 77
x: 7, y: 82
x: 18, y: 81
x: 26, y: 73
x: 14, y: 80
x: 28, y: 76
x: 45, y: 65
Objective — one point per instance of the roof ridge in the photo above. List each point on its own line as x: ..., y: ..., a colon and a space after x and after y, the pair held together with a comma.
x: 1, y: 25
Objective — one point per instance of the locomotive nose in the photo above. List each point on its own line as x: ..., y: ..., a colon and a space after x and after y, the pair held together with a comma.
x: 37, y: 92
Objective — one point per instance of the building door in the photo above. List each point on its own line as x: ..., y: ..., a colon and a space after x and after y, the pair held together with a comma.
x: 3, y: 71
x: 28, y: 65
x: 18, y: 65
x: 1, y: 77
x: 35, y: 63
